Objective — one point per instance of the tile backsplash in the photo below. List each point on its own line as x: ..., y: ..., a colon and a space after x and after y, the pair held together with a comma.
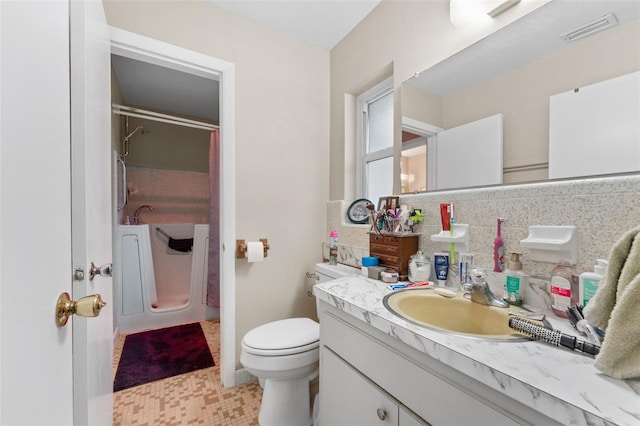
x: 603, y: 209
x: 177, y: 196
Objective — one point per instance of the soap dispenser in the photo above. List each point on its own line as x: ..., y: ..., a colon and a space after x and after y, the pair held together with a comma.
x: 516, y: 280
x: 589, y: 281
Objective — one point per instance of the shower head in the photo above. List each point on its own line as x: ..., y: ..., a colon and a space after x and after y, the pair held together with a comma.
x: 144, y: 132
x: 127, y: 138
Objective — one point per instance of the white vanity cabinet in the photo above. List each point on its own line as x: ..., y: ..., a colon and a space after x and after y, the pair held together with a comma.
x: 356, y: 400
x: 363, y: 370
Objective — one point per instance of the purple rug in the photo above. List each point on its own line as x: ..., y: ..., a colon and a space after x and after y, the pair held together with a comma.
x: 158, y: 354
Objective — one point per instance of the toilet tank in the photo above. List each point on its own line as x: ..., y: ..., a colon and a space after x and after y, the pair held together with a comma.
x: 326, y: 272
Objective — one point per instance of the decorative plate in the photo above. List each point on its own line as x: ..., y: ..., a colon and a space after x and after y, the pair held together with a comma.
x: 358, y: 211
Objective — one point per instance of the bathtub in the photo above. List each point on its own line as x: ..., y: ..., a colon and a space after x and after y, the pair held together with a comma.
x: 156, y: 286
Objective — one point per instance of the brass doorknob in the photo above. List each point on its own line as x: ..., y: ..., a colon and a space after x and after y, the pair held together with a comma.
x: 88, y: 306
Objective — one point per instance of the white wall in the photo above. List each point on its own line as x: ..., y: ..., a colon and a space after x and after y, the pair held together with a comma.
x: 282, y: 153
x: 168, y: 146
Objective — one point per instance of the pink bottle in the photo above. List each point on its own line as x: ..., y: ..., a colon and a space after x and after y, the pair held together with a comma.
x: 333, y: 248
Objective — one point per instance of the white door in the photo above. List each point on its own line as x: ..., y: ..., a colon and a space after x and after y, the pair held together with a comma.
x: 37, y: 367
x: 35, y: 209
x: 91, y: 210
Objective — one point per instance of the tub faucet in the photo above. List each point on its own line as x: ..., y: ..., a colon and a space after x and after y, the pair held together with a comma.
x: 136, y: 215
x: 480, y: 291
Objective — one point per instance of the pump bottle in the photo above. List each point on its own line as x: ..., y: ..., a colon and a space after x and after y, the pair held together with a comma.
x: 589, y: 281
x: 515, y: 280
x: 564, y: 289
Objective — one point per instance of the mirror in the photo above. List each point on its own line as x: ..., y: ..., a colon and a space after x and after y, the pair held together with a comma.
x: 515, y: 71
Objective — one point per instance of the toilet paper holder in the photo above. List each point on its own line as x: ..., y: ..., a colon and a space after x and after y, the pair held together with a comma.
x: 241, y: 248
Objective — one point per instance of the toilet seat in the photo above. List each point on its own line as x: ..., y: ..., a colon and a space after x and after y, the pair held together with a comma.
x: 284, y: 337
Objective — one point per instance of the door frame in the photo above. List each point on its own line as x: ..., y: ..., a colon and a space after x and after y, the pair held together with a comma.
x: 430, y: 132
x: 153, y: 51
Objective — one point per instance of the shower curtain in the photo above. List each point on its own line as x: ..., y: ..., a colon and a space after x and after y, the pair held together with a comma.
x: 213, y: 279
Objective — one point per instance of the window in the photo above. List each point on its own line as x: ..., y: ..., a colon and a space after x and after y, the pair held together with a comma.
x: 374, y: 135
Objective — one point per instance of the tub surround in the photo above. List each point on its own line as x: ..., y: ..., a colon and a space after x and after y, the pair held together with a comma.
x: 556, y: 382
x: 177, y: 196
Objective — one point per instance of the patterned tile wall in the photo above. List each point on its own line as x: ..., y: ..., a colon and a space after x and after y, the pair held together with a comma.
x: 176, y: 196
x: 602, y: 209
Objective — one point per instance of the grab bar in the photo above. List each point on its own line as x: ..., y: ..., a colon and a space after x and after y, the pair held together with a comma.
x: 164, y: 234
x: 125, y: 195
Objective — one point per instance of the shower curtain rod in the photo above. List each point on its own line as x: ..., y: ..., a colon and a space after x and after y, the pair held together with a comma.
x: 164, y: 118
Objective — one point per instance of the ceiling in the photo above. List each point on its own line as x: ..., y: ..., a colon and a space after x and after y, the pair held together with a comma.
x: 323, y: 23
x: 320, y: 22
x: 163, y: 89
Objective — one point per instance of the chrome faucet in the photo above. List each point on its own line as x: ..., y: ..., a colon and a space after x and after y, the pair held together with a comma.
x: 480, y: 292
x: 136, y: 215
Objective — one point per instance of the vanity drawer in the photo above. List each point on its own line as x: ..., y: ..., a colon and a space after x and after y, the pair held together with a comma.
x: 385, y: 239
x: 386, y: 260
x: 383, y: 249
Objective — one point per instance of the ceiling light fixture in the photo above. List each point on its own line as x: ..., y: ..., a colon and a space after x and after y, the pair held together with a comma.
x: 504, y: 5
x: 464, y: 12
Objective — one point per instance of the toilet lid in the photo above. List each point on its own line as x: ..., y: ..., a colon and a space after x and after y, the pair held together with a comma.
x: 290, y: 335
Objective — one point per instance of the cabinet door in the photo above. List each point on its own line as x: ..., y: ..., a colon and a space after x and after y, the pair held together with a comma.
x: 407, y: 418
x: 347, y: 398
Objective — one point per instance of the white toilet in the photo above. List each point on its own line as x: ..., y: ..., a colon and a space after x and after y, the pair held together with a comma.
x: 284, y: 356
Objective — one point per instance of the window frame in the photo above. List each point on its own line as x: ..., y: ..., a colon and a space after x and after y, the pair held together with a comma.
x: 363, y: 157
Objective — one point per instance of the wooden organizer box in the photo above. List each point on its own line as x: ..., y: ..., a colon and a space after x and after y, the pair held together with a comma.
x: 394, y: 251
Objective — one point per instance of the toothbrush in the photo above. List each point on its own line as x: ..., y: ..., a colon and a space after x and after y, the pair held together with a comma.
x: 577, y: 320
x: 452, y: 246
x: 498, y: 249
x: 410, y: 285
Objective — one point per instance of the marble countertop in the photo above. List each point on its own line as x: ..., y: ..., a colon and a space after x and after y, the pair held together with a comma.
x: 560, y: 383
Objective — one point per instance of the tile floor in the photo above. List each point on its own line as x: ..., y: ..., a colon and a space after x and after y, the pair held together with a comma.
x: 194, y: 398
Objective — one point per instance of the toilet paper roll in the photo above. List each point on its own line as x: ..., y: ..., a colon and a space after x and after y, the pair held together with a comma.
x: 255, y: 251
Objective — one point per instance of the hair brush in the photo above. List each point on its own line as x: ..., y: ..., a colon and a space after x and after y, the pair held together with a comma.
x: 553, y: 337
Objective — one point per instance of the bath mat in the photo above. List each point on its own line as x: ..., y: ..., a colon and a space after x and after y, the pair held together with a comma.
x: 158, y: 354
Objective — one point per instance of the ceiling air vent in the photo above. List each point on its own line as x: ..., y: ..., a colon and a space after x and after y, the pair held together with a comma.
x: 590, y: 28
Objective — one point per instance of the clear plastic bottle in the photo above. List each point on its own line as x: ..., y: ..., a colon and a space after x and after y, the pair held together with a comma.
x: 589, y: 281
x: 333, y: 248
x: 564, y: 288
